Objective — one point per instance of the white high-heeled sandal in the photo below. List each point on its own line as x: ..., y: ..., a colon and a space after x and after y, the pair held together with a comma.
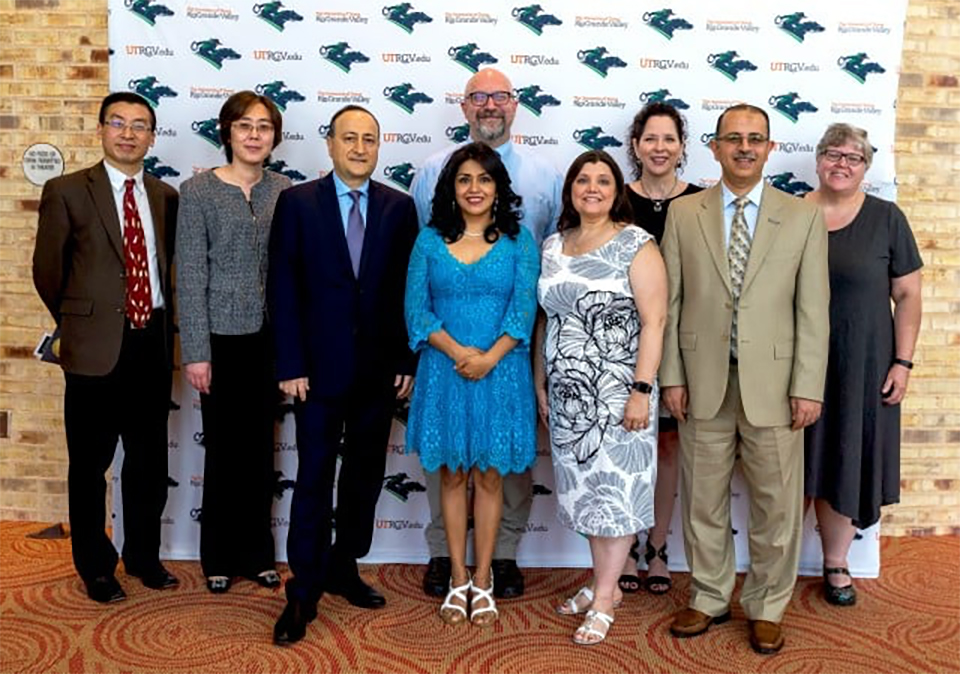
x: 588, y: 628
x: 574, y: 606
x: 479, y: 593
x: 459, y: 593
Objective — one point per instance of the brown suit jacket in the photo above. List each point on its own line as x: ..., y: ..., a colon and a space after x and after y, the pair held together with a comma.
x: 784, y: 306
x: 78, y: 265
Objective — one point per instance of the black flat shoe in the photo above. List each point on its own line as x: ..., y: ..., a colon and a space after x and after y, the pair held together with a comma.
x: 268, y: 579
x: 630, y: 583
x: 218, y: 584
x: 838, y: 596
x: 155, y: 578
x: 358, y: 593
x: 653, y: 581
x: 436, y: 579
x: 105, y: 590
x: 292, y: 625
x: 507, y: 579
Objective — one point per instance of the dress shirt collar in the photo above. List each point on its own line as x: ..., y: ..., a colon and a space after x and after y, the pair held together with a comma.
x: 343, y: 189
x: 118, y: 178
x: 753, y: 195
x: 505, y: 151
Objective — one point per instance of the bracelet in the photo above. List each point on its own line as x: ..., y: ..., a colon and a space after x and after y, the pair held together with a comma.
x: 641, y: 387
x: 903, y: 361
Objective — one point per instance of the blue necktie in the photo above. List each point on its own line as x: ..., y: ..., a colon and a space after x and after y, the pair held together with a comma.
x: 355, y: 228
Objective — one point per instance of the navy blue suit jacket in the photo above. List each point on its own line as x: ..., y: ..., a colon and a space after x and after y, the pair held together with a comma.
x: 338, y: 330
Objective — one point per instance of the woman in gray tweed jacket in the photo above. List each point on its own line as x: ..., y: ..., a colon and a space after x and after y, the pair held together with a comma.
x: 221, y: 262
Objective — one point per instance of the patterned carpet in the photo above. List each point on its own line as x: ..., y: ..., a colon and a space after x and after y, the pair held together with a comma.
x: 907, y: 621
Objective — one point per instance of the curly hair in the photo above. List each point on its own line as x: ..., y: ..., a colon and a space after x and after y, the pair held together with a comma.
x: 655, y: 109
x: 621, y: 210
x: 839, y: 134
x: 445, y: 215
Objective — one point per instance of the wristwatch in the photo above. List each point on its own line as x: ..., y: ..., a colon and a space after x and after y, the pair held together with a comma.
x: 641, y: 387
x: 904, y: 362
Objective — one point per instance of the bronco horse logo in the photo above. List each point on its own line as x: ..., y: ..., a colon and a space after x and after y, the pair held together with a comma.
x: 147, y: 11
x: 663, y: 96
x: 533, y: 18
x: 402, y: 175
x: 154, y: 167
x: 272, y: 13
x: 795, y: 26
x: 209, y: 130
x: 211, y: 52
x: 597, y: 60
x: 785, y: 183
x: 150, y: 90
x: 728, y: 64
x: 275, y: 92
x: 469, y: 57
x: 661, y: 22
x: 534, y: 101
x: 790, y: 105
x: 280, y: 166
x: 405, y: 97
x: 339, y: 54
x: 281, y: 484
x: 403, y: 17
x: 859, y: 66
x: 401, y: 486
x: 592, y: 138
x: 458, y: 134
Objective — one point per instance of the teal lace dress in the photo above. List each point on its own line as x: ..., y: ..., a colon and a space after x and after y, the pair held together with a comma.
x: 454, y: 422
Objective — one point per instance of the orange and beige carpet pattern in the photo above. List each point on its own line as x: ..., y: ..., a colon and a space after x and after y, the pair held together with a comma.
x: 907, y: 621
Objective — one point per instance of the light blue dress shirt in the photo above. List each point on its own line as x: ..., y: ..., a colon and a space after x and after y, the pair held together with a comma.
x: 346, y: 201
x: 536, y: 181
x: 750, y: 212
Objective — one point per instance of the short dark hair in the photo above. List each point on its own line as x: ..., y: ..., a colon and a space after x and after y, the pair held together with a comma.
x: 236, y: 107
x: 126, y: 97
x: 655, y: 109
x: 332, y: 128
x: 743, y: 107
x: 619, y: 212
x: 445, y: 214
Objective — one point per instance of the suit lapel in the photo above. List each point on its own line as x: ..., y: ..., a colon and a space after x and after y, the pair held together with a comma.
x: 765, y: 233
x: 102, y: 194
x: 711, y: 226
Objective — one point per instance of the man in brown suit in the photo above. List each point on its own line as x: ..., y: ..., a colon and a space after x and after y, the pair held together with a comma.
x: 102, y: 267
x: 744, y: 361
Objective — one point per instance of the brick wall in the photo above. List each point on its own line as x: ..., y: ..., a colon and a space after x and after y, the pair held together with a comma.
x: 53, y: 73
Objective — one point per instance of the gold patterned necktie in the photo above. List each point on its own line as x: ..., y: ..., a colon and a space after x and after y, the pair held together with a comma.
x: 738, y: 252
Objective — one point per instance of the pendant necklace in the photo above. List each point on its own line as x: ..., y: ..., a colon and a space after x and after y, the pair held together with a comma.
x: 658, y: 203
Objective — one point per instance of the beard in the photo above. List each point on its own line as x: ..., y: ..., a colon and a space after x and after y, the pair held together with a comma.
x: 491, y: 128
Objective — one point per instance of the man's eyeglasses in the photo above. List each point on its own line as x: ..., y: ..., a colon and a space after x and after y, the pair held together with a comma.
x: 480, y: 98
x: 245, y: 128
x: 119, y: 126
x: 753, y: 139
x: 834, y: 157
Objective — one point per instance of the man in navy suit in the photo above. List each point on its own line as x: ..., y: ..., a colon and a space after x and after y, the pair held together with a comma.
x: 338, y: 265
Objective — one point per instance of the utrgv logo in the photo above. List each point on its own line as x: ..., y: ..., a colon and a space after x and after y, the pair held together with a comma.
x: 661, y: 22
x: 403, y: 96
x: 272, y: 14
x: 532, y: 17
x: 469, y: 56
x: 155, y: 167
x: 790, y: 105
x: 280, y: 166
x: 147, y: 11
x: 785, y: 183
x: 458, y: 134
x: 598, y: 62
x: 275, y: 92
x: 211, y: 52
x: 401, y: 15
x: 795, y: 26
x: 663, y: 96
x: 534, y: 101
x: 402, y: 175
x: 209, y: 130
x: 728, y: 64
x: 339, y: 54
x: 858, y: 67
x: 592, y: 138
x: 401, y: 486
x: 150, y: 90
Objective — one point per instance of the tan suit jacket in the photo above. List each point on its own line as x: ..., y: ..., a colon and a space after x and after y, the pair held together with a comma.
x: 784, y: 306
x: 78, y: 264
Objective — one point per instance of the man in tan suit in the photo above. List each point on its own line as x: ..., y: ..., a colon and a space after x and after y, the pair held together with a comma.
x: 744, y: 361
x: 102, y: 268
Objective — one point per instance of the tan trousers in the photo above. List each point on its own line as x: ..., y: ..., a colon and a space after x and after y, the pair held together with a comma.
x: 772, y: 463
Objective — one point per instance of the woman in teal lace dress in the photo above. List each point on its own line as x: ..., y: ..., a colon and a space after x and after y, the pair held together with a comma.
x: 470, y: 309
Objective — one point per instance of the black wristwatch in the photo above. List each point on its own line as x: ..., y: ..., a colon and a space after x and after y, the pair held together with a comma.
x: 904, y: 362
x: 641, y: 387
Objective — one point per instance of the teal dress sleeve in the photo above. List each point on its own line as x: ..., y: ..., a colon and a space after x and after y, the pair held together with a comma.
x: 418, y: 306
x: 521, y: 312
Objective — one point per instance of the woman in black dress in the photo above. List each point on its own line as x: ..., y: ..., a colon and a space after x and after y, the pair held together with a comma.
x: 852, y: 457
x: 657, y: 147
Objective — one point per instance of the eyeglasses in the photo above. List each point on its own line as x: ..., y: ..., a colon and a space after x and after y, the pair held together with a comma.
x: 119, y: 126
x: 753, y: 139
x: 834, y: 157
x: 245, y: 128
x: 480, y: 98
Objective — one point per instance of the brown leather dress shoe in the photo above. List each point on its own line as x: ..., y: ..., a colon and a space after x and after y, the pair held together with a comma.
x: 690, y: 622
x: 766, y: 637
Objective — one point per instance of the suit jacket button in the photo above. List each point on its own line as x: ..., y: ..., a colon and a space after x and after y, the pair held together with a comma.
x: 119, y: 310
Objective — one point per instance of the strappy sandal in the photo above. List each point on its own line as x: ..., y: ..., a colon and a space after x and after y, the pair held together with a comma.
x: 652, y: 581
x: 630, y: 583
x: 478, y: 593
x: 218, y: 584
x: 581, y: 602
x: 838, y: 596
x: 458, y: 613
x: 269, y: 579
x: 595, y: 624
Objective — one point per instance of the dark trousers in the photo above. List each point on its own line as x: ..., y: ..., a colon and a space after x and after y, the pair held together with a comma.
x: 363, y: 420
x: 130, y: 403
x: 238, y: 477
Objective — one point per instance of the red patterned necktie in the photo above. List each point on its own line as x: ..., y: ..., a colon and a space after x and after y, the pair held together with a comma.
x: 139, y: 297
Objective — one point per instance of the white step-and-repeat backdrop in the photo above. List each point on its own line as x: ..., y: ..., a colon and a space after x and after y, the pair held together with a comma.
x: 581, y: 70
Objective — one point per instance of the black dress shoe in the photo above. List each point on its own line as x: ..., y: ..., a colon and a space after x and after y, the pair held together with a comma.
x: 436, y: 581
x: 156, y: 577
x: 292, y: 625
x: 358, y: 593
x: 507, y: 579
x: 105, y: 589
